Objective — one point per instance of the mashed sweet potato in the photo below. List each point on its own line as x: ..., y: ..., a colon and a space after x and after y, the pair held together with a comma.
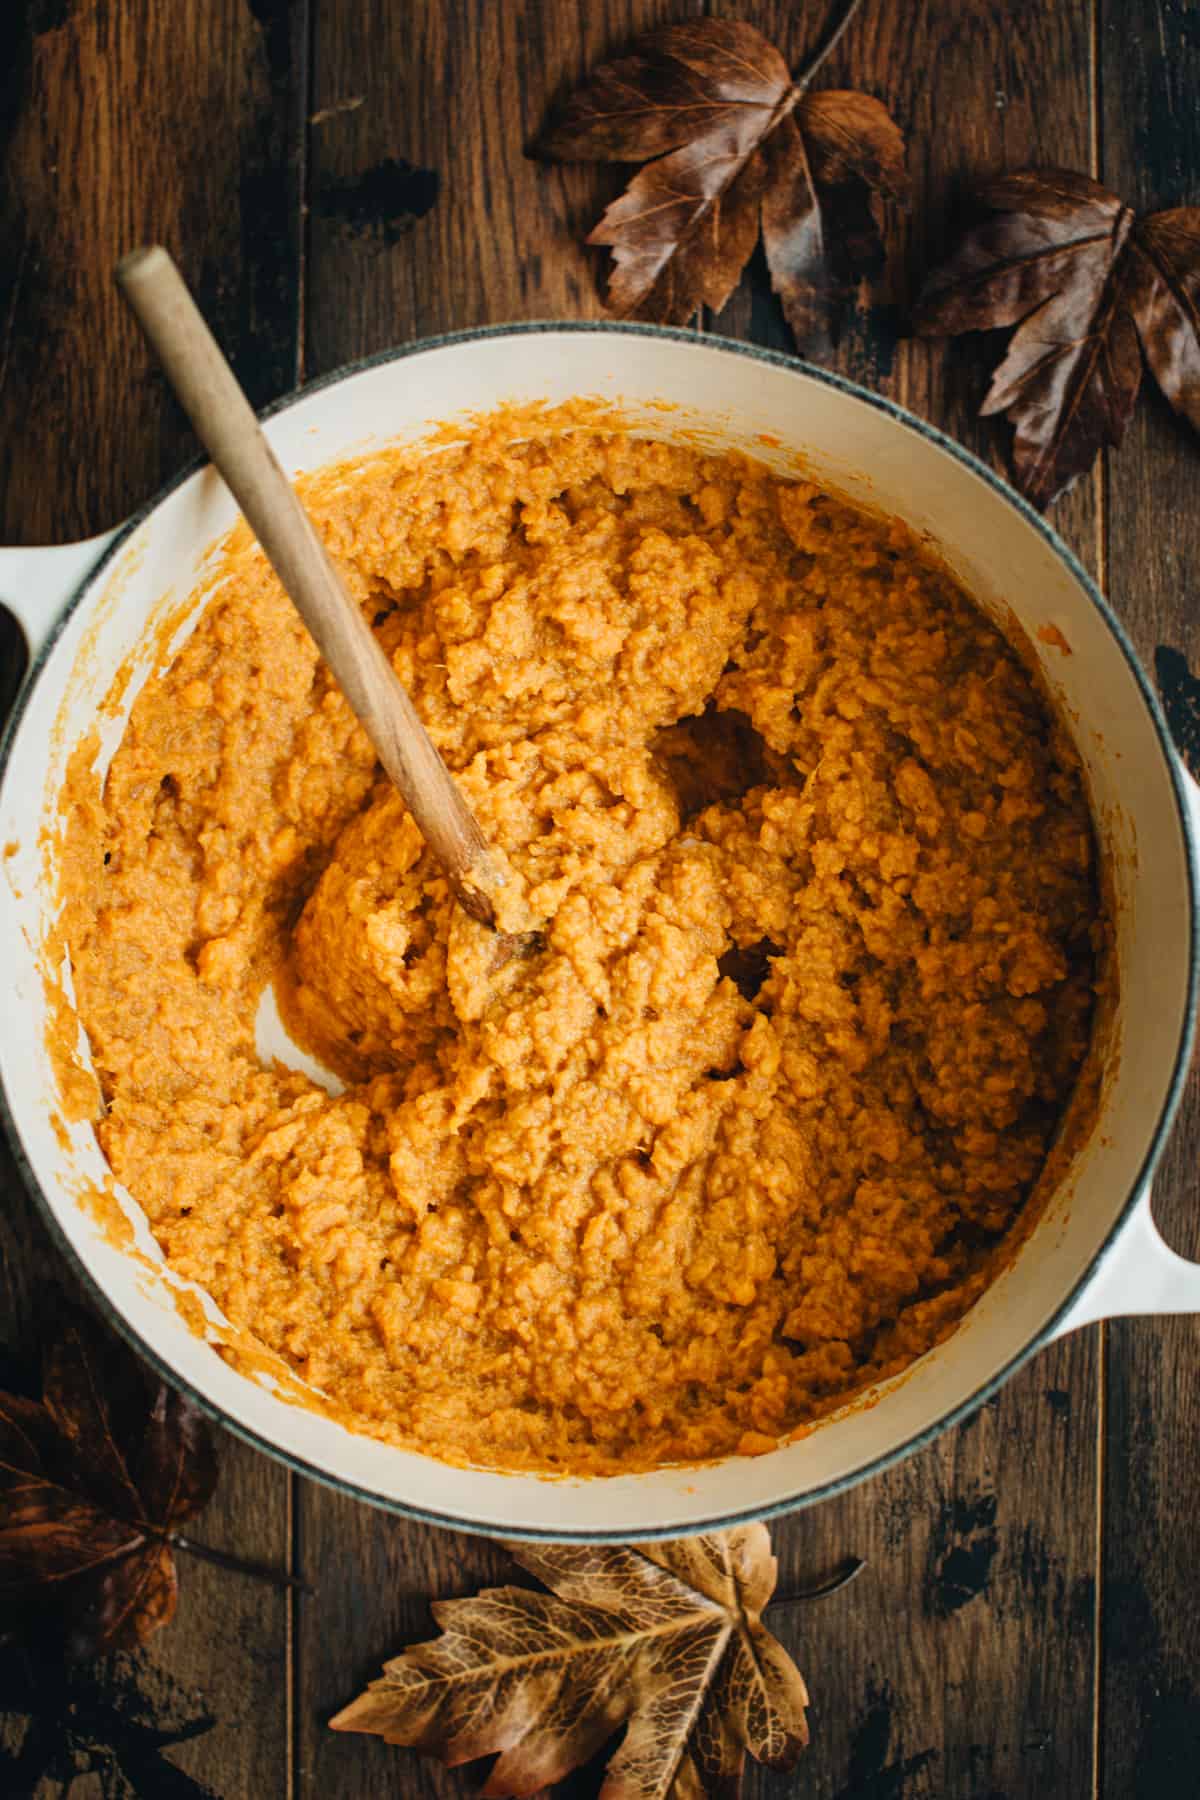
x: 815, y: 870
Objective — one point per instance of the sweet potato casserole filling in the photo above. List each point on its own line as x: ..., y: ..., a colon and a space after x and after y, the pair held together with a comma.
x: 815, y: 873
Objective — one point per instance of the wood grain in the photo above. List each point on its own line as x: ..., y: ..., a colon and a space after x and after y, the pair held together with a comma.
x: 129, y: 123
x: 123, y: 121
x: 1150, y: 1743
x: 426, y: 214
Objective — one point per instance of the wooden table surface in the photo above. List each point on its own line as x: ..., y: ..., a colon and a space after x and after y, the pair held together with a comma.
x: 337, y: 176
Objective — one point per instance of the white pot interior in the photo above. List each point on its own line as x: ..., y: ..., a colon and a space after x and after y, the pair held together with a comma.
x: 1003, y: 558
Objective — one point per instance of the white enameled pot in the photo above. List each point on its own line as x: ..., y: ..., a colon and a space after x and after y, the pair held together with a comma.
x: 86, y: 609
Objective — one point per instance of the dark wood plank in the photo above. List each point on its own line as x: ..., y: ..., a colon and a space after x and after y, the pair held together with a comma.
x: 125, y: 122
x: 953, y: 1665
x: 962, y: 1662
x: 426, y: 214
x: 1150, y: 150
x: 122, y: 122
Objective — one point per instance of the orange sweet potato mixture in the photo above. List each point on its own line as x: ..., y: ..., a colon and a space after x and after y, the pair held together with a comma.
x: 816, y: 875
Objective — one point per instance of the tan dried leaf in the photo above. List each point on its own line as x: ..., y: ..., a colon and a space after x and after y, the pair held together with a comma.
x: 666, y: 1640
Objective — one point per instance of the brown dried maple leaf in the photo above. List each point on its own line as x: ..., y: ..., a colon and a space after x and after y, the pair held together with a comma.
x: 732, y: 143
x: 93, y: 1480
x: 664, y: 1639
x: 1093, y: 290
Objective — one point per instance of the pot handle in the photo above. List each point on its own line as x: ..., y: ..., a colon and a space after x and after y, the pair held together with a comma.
x: 1139, y: 1273
x: 36, y: 583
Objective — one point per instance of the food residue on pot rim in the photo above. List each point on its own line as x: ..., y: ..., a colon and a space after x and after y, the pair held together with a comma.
x: 1050, y: 634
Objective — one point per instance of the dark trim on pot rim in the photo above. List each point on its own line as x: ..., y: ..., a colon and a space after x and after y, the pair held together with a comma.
x: 796, y: 1502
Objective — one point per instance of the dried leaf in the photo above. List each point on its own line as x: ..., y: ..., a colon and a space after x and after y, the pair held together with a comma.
x: 682, y: 232
x: 92, y: 1479
x: 678, y: 83
x: 833, y: 165
x: 1092, y: 290
x: 84, y: 1379
x: 665, y: 1640
x: 67, y: 1722
x: 1168, y: 309
x: 177, y: 1465
x: 122, y: 1604
x: 732, y: 143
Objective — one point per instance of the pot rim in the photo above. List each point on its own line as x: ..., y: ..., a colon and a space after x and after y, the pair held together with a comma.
x: 1157, y: 1137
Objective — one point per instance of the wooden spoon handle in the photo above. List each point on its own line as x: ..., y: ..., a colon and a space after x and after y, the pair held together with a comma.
x: 210, y: 394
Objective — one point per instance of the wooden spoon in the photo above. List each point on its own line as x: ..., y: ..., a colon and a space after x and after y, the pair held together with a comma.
x: 210, y: 394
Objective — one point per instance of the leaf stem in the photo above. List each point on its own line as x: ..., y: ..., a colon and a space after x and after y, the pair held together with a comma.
x: 224, y: 1559
x: 828, y: 45
x: 842, y: 1576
